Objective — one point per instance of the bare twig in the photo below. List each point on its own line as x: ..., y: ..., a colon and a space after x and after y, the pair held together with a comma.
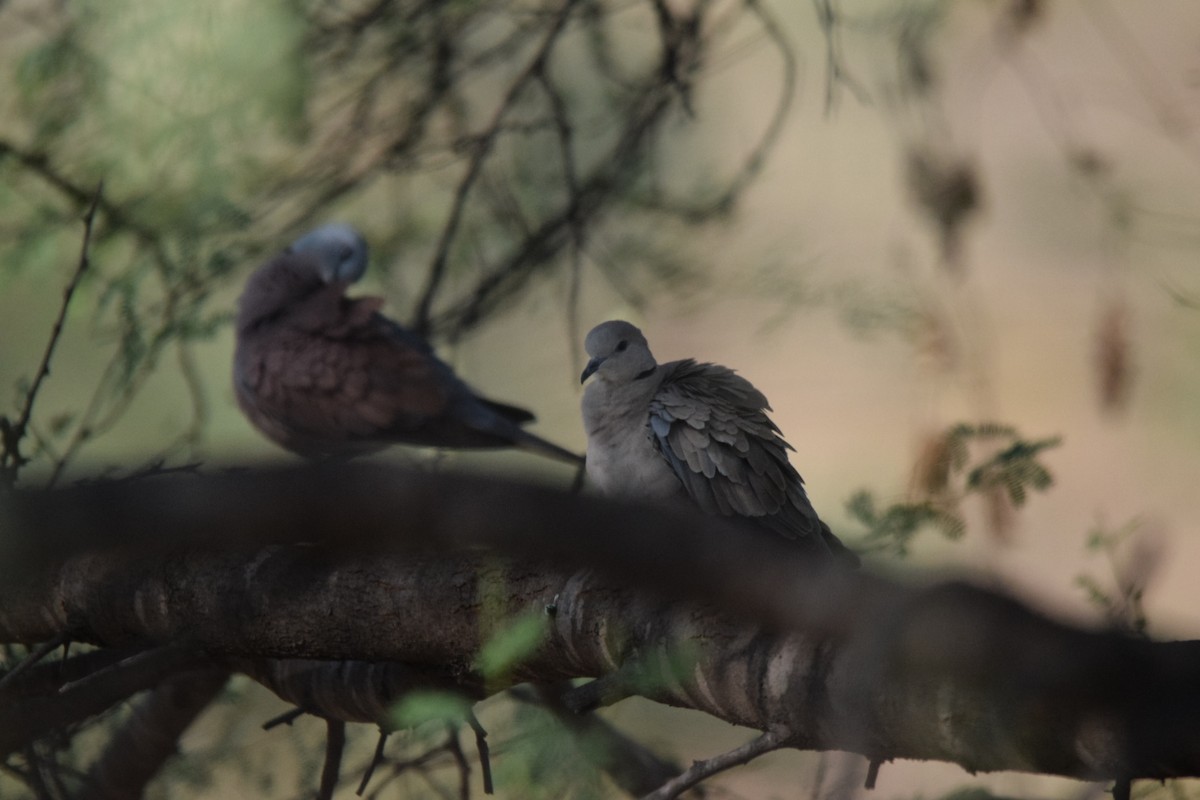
x: 23, y: 721
x: 482, y: 147
x: 872, y: 773
x: 481, y: 745
x: 49, y: 676
x: 835, y: 69
x: 566, y: 146
x: 773, y: 739
x: 376, y: 759
x: 335, y: 743
x: 418, y: 763
x: 460, y: 761
x: 37, y: 780
x: 286, y: 718
x: 37, y: 654
x: 11, y: 460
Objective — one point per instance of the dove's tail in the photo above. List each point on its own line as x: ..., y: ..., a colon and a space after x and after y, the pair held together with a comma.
x: 500, y: 426
x: 536, y: 444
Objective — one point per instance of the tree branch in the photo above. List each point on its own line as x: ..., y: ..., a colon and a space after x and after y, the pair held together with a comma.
x: 150, y: 736
x: 24, y: 721
x: 737, y: 626
x: 335, y: 744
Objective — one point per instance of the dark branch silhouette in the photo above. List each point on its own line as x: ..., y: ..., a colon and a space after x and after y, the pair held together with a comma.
x: 825, y: 659
x: 137, y: 751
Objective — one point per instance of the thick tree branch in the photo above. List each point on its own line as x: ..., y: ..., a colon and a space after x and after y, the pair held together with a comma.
x: 844, y: 660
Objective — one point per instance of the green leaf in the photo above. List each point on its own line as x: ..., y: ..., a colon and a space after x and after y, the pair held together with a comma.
x: 511, y: 645
x: 861, y: 506
x: 417, y: 708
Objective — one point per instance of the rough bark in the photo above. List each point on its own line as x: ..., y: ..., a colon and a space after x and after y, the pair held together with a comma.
x: 946, y: 672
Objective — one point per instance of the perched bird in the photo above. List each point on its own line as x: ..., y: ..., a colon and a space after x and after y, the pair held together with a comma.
x: 326, y: 375
x: 687, y: 429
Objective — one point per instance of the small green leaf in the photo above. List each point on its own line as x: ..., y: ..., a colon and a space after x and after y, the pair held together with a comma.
x: 417, y: 708
x: 861, y: 506
x: 511, y: 645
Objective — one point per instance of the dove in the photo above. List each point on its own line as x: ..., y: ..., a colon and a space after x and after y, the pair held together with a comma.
x: 325, y: 375
x: 691, y: 430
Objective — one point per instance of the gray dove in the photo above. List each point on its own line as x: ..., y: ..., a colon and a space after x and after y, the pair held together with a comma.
x: 326, y: 375
x: 688, y: 429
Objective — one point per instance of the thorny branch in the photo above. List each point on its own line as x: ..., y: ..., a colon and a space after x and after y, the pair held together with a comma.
x: 11, y: 434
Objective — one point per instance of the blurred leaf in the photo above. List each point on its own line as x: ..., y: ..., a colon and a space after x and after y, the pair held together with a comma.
x: 60, y: 423
x: 54, y: 79
x: 508, y: 647
x: 417, y: 708
x: 898, y: 524
x: 1013, y: 468
x: 944, y: 476
x: 547, y: 761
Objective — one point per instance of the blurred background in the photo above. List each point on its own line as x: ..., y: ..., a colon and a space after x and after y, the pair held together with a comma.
x: 893, y: 218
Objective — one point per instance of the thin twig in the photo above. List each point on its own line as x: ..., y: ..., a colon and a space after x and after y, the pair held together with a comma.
x: 398, y: 768
x: 12, y: 460
x: 335, y: 743
x: 835, y: 70
x: 37, y: 654
x: 872, y: 773
x: 375, y: 761
x: 460, y: 759
x: 485, y: 761
x: 37, y: 781
x: 483, y: 146
x: 29, y: 718
x: 286, y: 718
x: 773, y: 739
x: 566, y: 146
x: 605, y: 180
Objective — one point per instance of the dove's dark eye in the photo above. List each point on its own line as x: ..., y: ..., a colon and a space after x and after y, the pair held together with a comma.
x: 621, y: 345
x: 345, y: 252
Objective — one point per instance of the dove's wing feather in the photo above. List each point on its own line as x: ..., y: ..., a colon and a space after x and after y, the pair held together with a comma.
x: 711, y: 426
x: 327, y: 375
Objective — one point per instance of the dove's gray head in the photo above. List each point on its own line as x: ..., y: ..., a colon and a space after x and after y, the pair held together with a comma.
x: 619, y: 353
x: 340, y: 252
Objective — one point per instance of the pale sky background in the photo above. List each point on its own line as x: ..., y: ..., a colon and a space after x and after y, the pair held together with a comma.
x: 831, y: 216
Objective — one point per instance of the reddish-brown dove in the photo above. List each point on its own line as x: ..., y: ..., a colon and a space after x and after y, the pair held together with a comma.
x: 326, y: 375
x: 691, y: 430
